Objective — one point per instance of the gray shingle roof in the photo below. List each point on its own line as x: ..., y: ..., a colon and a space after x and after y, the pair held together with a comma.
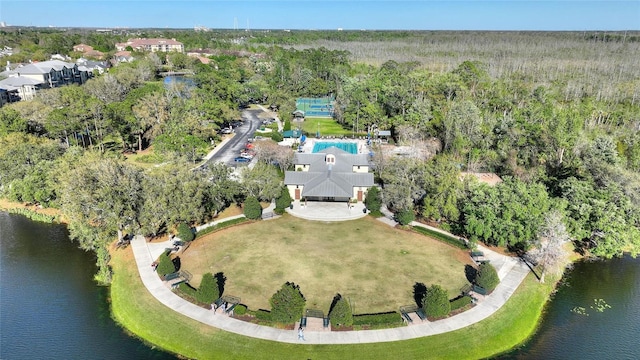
x: 329, y: 180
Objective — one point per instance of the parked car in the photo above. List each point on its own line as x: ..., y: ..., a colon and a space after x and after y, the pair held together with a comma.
x: 242, y: 159
x: 247, y: 155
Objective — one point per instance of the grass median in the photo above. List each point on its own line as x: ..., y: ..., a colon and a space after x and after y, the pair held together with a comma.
x: 142, y: 315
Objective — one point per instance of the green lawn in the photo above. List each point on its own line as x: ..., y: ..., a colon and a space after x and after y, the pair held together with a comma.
x: 372, y: 264
x: 142, y: 315
x: 328, y: 127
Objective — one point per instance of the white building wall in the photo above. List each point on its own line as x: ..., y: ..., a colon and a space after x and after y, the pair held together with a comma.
x: 360, y: 169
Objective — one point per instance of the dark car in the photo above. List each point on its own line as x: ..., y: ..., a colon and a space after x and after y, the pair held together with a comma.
x: 242, y: 159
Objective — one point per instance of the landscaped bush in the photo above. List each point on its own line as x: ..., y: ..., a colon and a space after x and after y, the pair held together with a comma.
x: 165, y: 265
x: 276, y: 136
x: 187, y: 290
x: 287, y: 304
x: 340, y: 314
x: 240, y: 309
x: 220, y: 226
x: 461, y: 302
x: 455, y: 241
x: 252, y: 208
x: 404, y: 217
x: 487, y: 277
x: 436, y: 303
x: 287, y: 125
x: 372, y: 201
x: 284, y: 200
x: 185, y: 233
x: 208, y: 291
x: 389, y: 318
x: 261, y: 314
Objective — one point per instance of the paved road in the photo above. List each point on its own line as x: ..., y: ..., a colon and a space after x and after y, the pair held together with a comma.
x: 513, y: 271
x: 233, y: 147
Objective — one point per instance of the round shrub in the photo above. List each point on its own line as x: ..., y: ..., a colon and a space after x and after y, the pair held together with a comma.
x: 287, y: 304
x: 185, y: 233
x: 404, y: 217
x: 165, y: 265
x: 340, y: 314
x: 208, y: 291
x: 372, y: 201
x: 436, y: 303
x: 252, y: 208
x: 487, y: 277
x: 284, y: 200
x: 276, y: 136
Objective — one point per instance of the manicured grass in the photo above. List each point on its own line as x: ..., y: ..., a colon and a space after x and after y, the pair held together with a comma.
x: 372, y: 264
x: 141, y: 314
x: 328, y: 127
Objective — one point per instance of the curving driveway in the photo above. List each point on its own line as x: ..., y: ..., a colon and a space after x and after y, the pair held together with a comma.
x: 512, y: 272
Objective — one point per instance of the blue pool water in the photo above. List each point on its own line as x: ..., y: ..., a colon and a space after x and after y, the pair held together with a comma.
x: 346, y: 146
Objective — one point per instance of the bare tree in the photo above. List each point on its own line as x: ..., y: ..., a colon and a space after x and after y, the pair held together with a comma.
x: 550, y: 254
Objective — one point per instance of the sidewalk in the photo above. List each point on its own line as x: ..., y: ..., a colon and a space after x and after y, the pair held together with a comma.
x: 513, y: 274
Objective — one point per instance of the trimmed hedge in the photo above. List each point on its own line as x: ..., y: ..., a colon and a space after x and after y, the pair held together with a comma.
x: 389, y: 318
x: 221, y: 225
x: 261, y: 314
x: 440, y: 236
x: 240, y: 309
x: 461, y: 302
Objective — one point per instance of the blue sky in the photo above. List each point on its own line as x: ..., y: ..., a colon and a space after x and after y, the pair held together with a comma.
x: 329, y: 14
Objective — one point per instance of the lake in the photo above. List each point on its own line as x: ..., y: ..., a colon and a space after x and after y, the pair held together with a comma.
x: 50, y: 307
x: 595, y: 314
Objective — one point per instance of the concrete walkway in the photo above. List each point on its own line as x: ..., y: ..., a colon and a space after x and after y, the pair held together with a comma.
x: 513, y: 272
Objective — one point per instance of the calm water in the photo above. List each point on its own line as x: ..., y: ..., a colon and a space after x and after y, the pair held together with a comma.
x: 50, y: 308
x: 613, y: 333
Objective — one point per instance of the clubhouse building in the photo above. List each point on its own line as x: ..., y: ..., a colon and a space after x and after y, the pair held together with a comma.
x: 331, y: 174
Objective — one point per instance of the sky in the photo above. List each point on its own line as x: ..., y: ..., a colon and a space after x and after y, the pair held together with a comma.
x: 328, y: 14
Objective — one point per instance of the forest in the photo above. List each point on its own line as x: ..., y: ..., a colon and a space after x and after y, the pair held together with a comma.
x: 556, y: 115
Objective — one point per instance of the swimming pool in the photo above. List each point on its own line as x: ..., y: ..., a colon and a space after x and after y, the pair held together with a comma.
x: 350, y: 147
